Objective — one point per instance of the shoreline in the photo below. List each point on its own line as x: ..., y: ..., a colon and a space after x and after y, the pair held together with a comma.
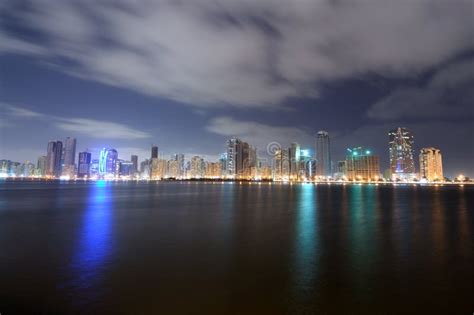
x: 240, y: 181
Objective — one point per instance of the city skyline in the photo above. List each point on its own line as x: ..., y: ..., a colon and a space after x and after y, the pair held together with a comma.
x: 250, y: 75
x: 240, y: 160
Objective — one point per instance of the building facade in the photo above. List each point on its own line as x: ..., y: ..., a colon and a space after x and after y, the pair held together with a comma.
x: 84, y: 165
x: 53, y: 158
x: 361, y: 164
x: 402, y: 164
x: 108, y: 162
x: 431, y: 164
x: 323, y: 154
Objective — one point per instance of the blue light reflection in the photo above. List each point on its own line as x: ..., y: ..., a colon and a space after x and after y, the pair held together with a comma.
x: 307, y: 239
x: 94, y: 237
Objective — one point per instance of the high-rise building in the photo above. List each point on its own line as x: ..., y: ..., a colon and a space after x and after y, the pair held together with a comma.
x: 84, y: 167
x: 285, y: 164
x: 41, y: 166
x: 241, y: 157
x: 178, y: 167
x: 294, y: 153
x: 70, y: 151
x: 5, y: 167
x: 69, y: 157
x: 27, y: 169
x: 212, y: 170
x: 431, y: 164
x: 145, y: 168
x: 362, y: 164
x: 54, y: 157
x: 323, y: 154
x: 126, y: 168
x: 134, y: 159
x: 154, y: 152
x: 197, y: 167
x: 402, y: 165
x: 108, y: 162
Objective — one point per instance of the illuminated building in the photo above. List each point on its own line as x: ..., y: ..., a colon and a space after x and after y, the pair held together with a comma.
x: 431, y: 164
x: 307, y: 165
x: 41, y: 166
x: 196, y: 167
x: 341, y: 170
x: 179, y: 158
x: 84, y: 164
x: 323, y: 154
x: 285, y: 164
x: 53, y: 158
x: 361, y: 164
x: 108, y: 162
x: 126, y: 168
x: 223, y: 162
x: 134, y: 159
x: 173, y: 169
x: 402, y: 165
x: 213, y: 170
x: 27, y: 169
x: 145, y: 169
x: 5, y: 166
x: 94, y: 170
x: 241, y: 157
x: 294, y: 155
x: 277, y: 171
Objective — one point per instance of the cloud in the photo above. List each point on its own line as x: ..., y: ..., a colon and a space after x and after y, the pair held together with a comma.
x: 90, y: 127
x: 244, y: 53
x: 448, y: 94
x: 258, y: 134
x: 100, y: 129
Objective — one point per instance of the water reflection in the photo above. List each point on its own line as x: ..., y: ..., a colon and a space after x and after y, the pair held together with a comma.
x: 307, y: 238
x: 94, y: 237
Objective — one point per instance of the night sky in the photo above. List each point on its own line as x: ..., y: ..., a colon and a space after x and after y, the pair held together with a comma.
x: 187, y: 75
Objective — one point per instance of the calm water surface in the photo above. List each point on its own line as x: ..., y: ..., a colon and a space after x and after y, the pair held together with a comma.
x: 216, y: 248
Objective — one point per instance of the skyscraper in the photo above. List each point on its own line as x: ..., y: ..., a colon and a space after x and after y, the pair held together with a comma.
x: 294, y: 160
x: 402, y: 165
x: 431, y: 164
x: 41, y: 166
x: 69, y: 159
x: 134, y: 159
x: 84, y: 167
x: 233, y: 155
x: 54, y: 157
x: 108, y: 162
x: 323, y: 154
x: 154, y: 152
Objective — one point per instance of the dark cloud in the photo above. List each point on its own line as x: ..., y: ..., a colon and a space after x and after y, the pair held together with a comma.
x: 241, y: 53
x: 447, y: 95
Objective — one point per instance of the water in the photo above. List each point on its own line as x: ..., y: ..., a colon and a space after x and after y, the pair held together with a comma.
x: 216, y: 248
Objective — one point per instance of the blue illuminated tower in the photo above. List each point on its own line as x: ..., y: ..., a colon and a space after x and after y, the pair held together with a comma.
x: 108, y: 162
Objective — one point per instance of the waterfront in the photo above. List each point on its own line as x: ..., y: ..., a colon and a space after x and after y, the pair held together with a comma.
x: 212, y: 247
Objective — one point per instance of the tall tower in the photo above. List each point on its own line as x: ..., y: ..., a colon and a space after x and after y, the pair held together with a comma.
x: 53, y: 158
x: 402, y: 165
x: 233, y: 148
x: 431, y: 164
x: 69, y: 160
x: 69, y: 151
x: 294, y: 159
x: 323, y: 154
x: 84, y: 166
x: 134, y: 159
x: 108, y: 162
x: 154, y: 152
